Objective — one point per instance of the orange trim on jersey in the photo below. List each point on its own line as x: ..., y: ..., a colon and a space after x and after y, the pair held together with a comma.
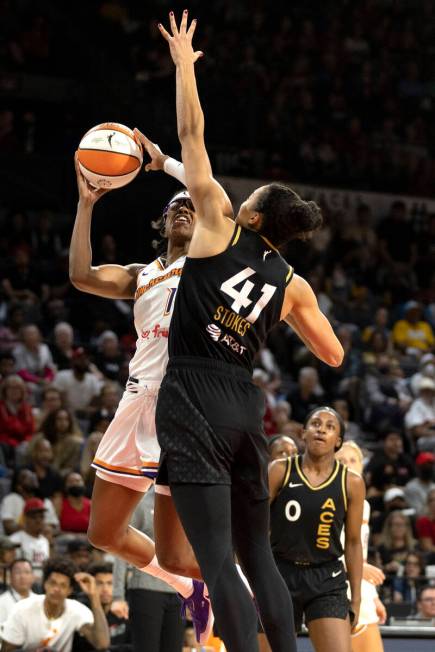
x: 150, y: 465
x: 155, y: 281
x: 112, y: 467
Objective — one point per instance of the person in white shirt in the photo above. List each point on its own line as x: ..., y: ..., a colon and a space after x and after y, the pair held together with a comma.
x: 21, y: 580
x: 25, y: 485
x: 78, y: 385
x: 420, y: 418
x: 417, y: 489
x: 33, y: 544
x: 50, y: 620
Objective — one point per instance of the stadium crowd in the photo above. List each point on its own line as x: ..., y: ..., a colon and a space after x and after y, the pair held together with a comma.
x: 350, y: 101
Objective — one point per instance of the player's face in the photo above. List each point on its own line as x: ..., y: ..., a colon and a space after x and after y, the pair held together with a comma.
x: 180, y: 220
x: 283, y: 447
x: 348, y: 455
x: 247, y: 215
x: 322, y: 433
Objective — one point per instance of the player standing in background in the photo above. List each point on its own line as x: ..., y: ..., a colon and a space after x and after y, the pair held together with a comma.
x: 366, y: 636
x: 127, y: 457
x: 235, y: 287
x: 313, y: 496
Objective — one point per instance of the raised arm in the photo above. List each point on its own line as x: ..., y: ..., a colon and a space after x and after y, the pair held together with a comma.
x: 209, y: 198
x: 301, y: 311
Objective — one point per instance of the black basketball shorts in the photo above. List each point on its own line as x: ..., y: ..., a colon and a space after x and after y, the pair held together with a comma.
x: 317, y: 591
x: 209, y: 421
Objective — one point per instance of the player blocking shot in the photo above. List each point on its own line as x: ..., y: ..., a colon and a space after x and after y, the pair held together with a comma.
x: 235, y: 287
x: 127, y: 459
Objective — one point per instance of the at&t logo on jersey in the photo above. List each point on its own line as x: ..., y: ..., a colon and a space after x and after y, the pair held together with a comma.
x: 215, y: 334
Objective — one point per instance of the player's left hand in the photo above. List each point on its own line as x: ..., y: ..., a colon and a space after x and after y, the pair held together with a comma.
x: 155, y: 153
x: 87, y: 583
x: 180, y: 43
x: 381, y: 612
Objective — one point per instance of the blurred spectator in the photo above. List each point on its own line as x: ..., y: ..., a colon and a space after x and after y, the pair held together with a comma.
x: 417, y: 490
x: 75, y: 510
x: 66, y: 438
x: 88, y: 454
x: 398, y: 247
x: 281, y: 413
x: 412, y: 334
x: 11, y: 331
x: 119, y: 627
x: 20, y: 587
x: 385, y: 396
x: 380, y: 325
x: 79, y: 551
x: 16, y: 418
x: 109, y: 356
x: 426, y: 602
x: 25, y: 485
x: 420, y: 418
x: 51, y: 400
x: 22, y: 281
x: 425, y: 525
x: 7, y: 365
x: 34, y: 545
x: 63, y: 345
x: 282, y: 446
x: 396, y: 541
x: 391, y: 463
x: 78, y: 385
x: 352, y: 429
x: 426, y: 370
x: 392, y: 500
x: 409, y: 579
x: 108, y: 401
x: 40, y: 455
x: 53, y: 618
x: 33, y: 359
x: 8, y: 552
x: 307, y: 395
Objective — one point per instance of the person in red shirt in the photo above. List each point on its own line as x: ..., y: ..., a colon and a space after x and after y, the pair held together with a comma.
x: 426, y: 525
x: 75, y: 508
x: 16, y: 419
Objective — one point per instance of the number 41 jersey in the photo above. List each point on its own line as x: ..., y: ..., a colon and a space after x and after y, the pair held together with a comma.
x: 226, y: 304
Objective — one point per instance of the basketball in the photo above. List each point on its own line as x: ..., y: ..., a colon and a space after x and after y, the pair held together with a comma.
x: 109, y: 155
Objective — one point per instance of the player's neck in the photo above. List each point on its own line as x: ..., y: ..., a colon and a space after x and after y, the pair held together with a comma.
x: 318, y: 465
x: 175, y: 251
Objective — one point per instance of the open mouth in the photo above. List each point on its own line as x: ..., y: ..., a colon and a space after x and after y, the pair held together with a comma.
x: 182, y: 219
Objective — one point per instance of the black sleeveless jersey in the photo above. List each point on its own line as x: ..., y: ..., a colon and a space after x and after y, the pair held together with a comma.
x: 306, y: 521
x: 226, y: 304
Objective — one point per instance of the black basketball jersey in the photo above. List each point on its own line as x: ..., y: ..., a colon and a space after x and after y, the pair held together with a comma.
x: 226, y: 304
x: 306, y: 521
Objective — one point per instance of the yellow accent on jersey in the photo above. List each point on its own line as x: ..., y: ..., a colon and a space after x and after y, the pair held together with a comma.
x: 236, y: 236
x: 308, y: 483
x: 343, y: 486
x: 269, y: 244
x: 287, y: 472
x: 289, y: 276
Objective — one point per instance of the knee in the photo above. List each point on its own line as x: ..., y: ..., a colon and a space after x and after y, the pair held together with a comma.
x: 103, y: 538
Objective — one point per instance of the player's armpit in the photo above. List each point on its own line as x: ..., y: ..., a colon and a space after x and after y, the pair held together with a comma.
x: 109, y: 281
x: 301, y: 311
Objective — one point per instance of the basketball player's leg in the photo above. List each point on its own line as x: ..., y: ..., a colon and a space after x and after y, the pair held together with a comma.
x: 367, y: 640
x: 250, y: 524
x: 205, y: 512
x: 173, y: 549
x: 330, y: 634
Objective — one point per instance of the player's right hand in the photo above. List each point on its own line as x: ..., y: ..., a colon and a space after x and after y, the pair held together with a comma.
x: 120, y: 608
x: 155, y: 153
x: 87, y: 193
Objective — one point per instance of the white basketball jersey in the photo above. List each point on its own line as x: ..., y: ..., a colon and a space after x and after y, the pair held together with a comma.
x: 154, y: 303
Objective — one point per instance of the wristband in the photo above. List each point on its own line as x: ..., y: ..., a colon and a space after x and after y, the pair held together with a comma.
x: 175, y: 169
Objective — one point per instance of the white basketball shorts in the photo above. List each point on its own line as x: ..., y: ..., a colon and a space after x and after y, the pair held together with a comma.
x: 129, y: 452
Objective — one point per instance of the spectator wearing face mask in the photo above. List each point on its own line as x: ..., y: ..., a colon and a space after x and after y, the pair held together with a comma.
x: 75, y: 507
x: 25, y: 485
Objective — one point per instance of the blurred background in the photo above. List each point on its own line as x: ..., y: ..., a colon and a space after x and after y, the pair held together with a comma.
x: 335, y: 98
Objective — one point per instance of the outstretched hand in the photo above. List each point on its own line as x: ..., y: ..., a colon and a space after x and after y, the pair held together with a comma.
x: 155, y: 153
x: 180, y: 42
x: 87, y: 193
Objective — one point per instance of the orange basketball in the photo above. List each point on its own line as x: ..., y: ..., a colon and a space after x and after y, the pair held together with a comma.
x: 109, y: 155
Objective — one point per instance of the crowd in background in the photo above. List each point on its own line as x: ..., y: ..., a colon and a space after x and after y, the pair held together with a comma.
x: 339, y: 93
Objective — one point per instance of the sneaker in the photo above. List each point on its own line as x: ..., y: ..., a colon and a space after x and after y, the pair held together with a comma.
x: 200, y: 610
